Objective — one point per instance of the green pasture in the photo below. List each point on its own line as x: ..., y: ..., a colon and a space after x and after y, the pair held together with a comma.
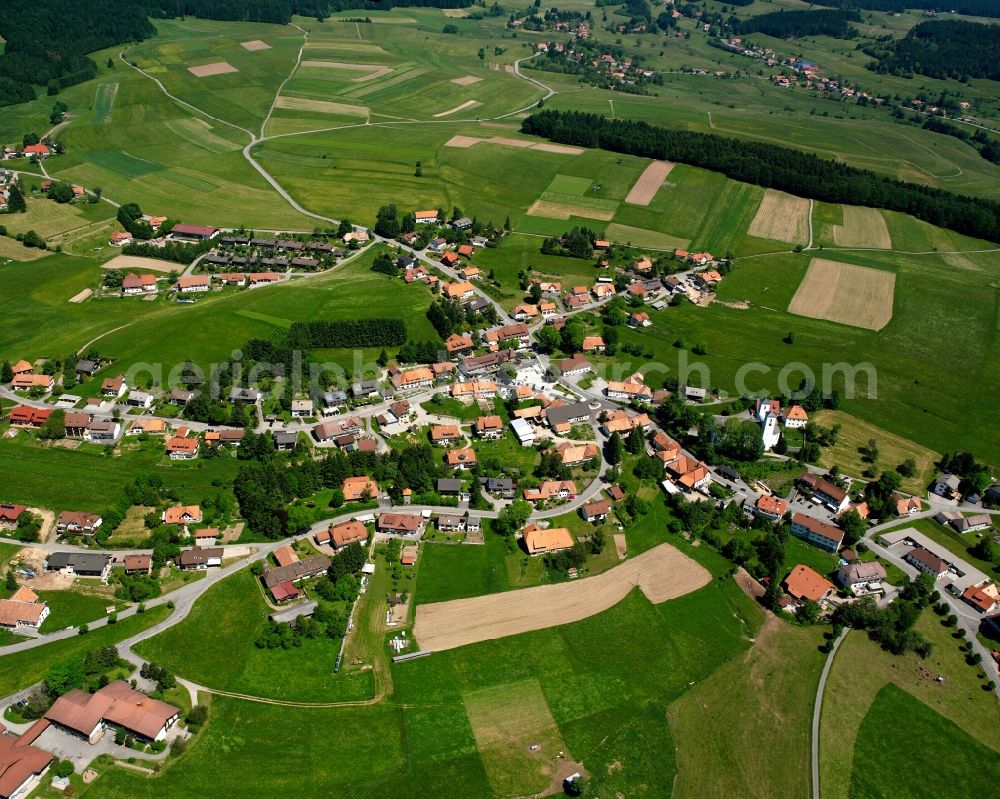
x: 214, y: 646
x: 22, y: 669
x: 886, y: 765
x: 73, y: 608
x: 609, y: 710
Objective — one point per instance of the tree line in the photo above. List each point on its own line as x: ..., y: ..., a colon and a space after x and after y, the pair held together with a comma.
x: 941, y: 49
x: 771, y: 166
x: 345, y: 333
x: 796, y: 24
x: 974, y: 8
x: 47, y: 41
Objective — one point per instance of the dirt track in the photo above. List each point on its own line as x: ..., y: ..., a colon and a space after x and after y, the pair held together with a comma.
x: 662, y: 573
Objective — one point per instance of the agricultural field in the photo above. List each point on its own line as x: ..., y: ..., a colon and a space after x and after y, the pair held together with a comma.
x: 438, y: 734
x: 862, y: 228
x: 781, y: 217
x: 844, y: 293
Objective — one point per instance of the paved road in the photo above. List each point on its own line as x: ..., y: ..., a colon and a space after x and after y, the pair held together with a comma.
x: 817, y: 707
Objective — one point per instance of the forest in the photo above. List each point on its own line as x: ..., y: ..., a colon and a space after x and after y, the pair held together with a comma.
x: 795, y: 24
x: 941, y: 49
x: 772, y: 166
x: 974, y: 8
x: 47, y: 41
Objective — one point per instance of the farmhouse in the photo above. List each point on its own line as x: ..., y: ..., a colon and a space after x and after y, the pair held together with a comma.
x: 199, y: 558
x: 22, y: 367
x: 114, y: 705
x: 78, y: 523
x: 538, y: 541
x: 972, y: 524
x: 628, y: 390
x: 193, y: 232
x: 23, y: 611
x: 458, y: 291
x: 400, y: 523
x: 22, y: 765
x: 285, y: 592
x: 458, y: 345
x: 475, y: 389
x: 25, y: 416
x: 426, y: 217
x: 562, y: 417
x: 516, y: 333
x: 593, y: 344
x: 622, y: 422
x: 490, y: 363
x: 577, y: 454
x: 138, y: 284
x: 285, y: 556
x: 804, y: 583
x: 421, y: 377
x: 190, y: 284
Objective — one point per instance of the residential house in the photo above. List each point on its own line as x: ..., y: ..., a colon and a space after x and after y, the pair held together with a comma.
x: 926, y: 561
x: 538, y: 541
x: 294, y: 572
x: 770, y: 508
x: 28, y: 382
x: 200, y: 558
x: 359, y: 489
x: 570, y: 367
x: 448, y: 486
x: 26, y: 416
x: 182, y: 515
x: 551, y: 489
x: 137, y: 564
x: 834, y: 498
x: 457, y: 291
x: 365, y: 389
x: 148, y: 425
x: 500, y: 487
x: 139, y: 399
x: 474, y: 390
x: 400, y: 523
x: 102, y: 430
x: 623, y: 422
x: 973, y: 523
x: 638, y: 320
x: 23, y: 612
x: 577, y: 454
x: 248, y: 396
x: 457, y: 345
x: 80, y: 564
x: 984, y: 597
x: 482, y: 365
x: 302, y: 408
x: 796, y: 416
x: 9, y: 515
x: 907, y: 506
x: 462, y: 459
x: 445, y: 434
x: 525, y: 311
x: 596, y: 511
x: 516, y: 334
x: 114, y: 386
x: 412, y: 379
x: 851, y: 575
x: 426, y: 217
x: 947, y: 486
x: 819, y: 534
x: 181, y: 448
x: 628, y: 390
x: 803, y: 583
x: 593, y: 344
x: 451, y: 523
x: 285, y: 440
x: 71, y: 522
x: 347, y: 533
x: 695, y: 394
x: 179, y: 396
x: 285, y: 556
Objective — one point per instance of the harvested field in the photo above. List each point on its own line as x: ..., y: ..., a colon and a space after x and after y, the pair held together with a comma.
x: 13, y: 249
x: 516, y: 735
x: 455, y: 13
x: 863, y: 227
x: 649, y: 182
x: 83, y: 295
x: 462, y: 107
x: 641, y: 237
x: 372, y: 70
x: 662, y: 573
x: 207, y: 70
x: 321, y: 106
x: 125, y: 262
x: 552, y: 210
x: 781, y: 217
x: 621, y: 547
x: 255, y: 45
x: 469, y: 141
x: 562, y: 149
x: 845, y: 293
x: 465, y: 80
